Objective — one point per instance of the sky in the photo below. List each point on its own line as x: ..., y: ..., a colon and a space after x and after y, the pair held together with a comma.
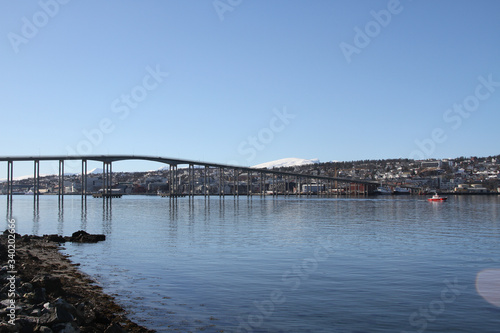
x: 246, y: 82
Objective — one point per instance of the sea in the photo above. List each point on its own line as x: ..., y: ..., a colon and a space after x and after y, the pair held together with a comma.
x: 286, y: 264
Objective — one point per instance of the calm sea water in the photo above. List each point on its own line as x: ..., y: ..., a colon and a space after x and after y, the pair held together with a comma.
x: 387, y: 264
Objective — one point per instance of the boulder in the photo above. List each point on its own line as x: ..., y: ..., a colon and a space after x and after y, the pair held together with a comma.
x: 85, y: 313
x: 54, y: 238
x: 66, y: 328
x: 40, y: 295
x: 55, y: 316
x: 65, y: 306
x: 84, y: 237
x: 52, y: 284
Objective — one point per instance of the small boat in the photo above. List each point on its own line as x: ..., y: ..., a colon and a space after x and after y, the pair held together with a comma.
x: 436, y: 197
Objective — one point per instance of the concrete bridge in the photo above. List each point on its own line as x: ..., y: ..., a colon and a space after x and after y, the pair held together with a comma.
x: 274, y: 179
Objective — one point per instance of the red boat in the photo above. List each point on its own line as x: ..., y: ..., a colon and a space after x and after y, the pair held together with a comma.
x: 436, y: 197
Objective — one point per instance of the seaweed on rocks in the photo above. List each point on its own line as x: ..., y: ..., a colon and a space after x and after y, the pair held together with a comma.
x: 48, y: 294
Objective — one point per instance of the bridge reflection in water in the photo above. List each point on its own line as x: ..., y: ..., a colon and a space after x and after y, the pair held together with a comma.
x: 199, y: 178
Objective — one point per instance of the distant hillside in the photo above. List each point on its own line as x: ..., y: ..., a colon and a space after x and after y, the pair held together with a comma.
x: 286, y: 163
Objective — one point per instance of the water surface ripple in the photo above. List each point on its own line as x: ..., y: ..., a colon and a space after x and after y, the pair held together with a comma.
x: 389, y: 264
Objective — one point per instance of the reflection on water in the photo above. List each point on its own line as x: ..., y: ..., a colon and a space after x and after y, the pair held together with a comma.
x: 84, y: 214
x: 36, y: 214
x: 287, y: 265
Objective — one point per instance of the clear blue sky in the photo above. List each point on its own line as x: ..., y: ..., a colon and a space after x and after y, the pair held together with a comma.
x: 349, y: 79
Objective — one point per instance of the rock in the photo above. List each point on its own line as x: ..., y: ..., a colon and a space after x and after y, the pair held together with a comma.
x: 85, y: 313
x: 48, y: 306
x: 54, y: 238
x: 84, y: 237
x: 25, y: 239
x: 25, y: 324
x: 36, y: 297
x: 65, y: 328
x: 52, y: 284
x: 7, y: 232
x: 4, y: 303
x: 47, y: 319
x: 36, y: 312
x: 79, y: 233
x: 3, y: 253
x: 55, y: 316
x: 115, y: 328
x: 7, y: 328
x: 63, y: 305
x: 101, y: 317
x: 26, y: 287
x: 30, y: 297
x: 63, y: 315
x: 40, y: 295
x: 38, y: 286
x: 43, y: 329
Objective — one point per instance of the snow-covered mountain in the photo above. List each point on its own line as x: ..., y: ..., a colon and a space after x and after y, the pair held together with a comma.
x: 286, y: 162
x: 94, y: 171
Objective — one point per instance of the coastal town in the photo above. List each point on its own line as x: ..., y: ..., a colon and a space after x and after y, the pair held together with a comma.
x: 464, y: 175
x: 458, y: 175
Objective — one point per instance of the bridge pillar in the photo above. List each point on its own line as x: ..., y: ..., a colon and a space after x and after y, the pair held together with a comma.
x: 173, y: 181
x: 84, y: 179
x: 10, y: 188
x: 306, y: 183
x: 193, y: 181
x: 220, y: 182
x: 272, y: 183
x: 235, y: 182
x: 104, y: 179
x: 299, y: 182
x: 60, y: 192
x: 36, y: 178
x: 176, y: 182
x: 10, y: 178
x: 205, y: 181
x: 110, y: 177
x: 286, y: 187
x: 262, y: 184
x: 190, y: 180
x: 170, y: 180
x: 36, y: 187
x: 107, y: 179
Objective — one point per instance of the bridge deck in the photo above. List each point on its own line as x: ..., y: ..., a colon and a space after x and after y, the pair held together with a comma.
x: 172, y: 161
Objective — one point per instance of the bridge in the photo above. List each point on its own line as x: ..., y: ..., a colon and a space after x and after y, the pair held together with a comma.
x: 278, y: 182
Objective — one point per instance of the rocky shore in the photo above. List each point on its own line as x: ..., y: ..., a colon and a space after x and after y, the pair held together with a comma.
x: 42, y: 291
